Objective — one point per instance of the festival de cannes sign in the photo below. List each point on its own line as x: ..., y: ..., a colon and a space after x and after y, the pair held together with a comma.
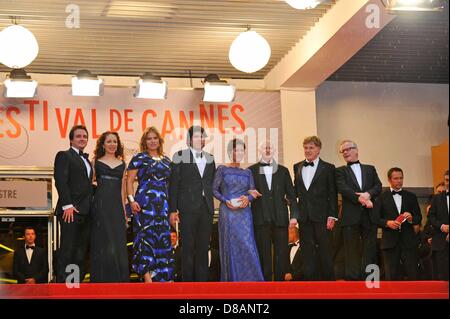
x: 33, y: 130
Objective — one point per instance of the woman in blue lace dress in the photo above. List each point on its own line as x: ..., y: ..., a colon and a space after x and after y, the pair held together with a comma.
x: 152, y: 251
x: 235, y: 188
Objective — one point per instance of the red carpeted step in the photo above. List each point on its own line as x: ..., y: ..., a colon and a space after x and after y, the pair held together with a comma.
x: 248, y: 290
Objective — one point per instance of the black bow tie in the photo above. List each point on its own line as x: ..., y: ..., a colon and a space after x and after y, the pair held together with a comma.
x: 29, y: 247
x: 305, y: 163
x: 85, y: 155
x: 446, y: 193
x: 292, y: 245
x: 266, y: 164
x: 397, y: 193
x: 351, y: 163
x: 199, y: 155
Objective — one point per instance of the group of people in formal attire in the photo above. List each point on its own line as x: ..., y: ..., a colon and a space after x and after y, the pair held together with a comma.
x: 261, y: 210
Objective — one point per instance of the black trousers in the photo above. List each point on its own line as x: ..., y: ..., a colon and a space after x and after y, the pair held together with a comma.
x: 266, y: 236
x: 360, y: 248
x: 314, y: 235
x: 395, y: 256
x: 195, y: 236
x: 73, y: 246
x: 338, y: 252
x: 440, y: 259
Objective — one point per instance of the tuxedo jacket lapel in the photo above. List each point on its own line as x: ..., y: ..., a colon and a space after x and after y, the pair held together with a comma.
x: 275, y: 175
x: 353, y: 177
x: 319, y: 170
x: 194, y: 165
x: 392, y: 203
x: 262, y: 179
x: 209, y: 169
x: 404, y: 203
x: 81, y: 163
x: 364, y: 173
x: 299, y: 175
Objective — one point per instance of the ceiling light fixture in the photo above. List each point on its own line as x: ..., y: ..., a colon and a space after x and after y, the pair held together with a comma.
x: 19, y: 47
x: 249, y: 52
x: 150, y: 86
x: 19, y: 85
x: 304, y: 4
x: 414, y: 5
x: 86, y: 84
x: 217, y: 90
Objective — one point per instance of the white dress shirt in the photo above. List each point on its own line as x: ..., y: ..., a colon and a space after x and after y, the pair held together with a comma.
x: 201, y: 161
x: 308, y: 173
x: 356, y: 168
x: 209, y: 258
x: 268, y: 171
x: 294, y: 251
x: 29, y: 253
x: 397, y: 200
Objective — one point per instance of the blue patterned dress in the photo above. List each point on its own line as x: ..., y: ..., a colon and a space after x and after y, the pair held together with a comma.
x: 239, y: 260
x: 152, y: 251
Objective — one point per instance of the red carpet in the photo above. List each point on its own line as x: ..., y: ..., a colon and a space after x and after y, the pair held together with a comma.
x: 297, y: 290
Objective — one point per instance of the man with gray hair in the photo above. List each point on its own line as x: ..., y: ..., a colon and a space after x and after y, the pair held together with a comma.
x: 359, y: 186
x: 270, y: 212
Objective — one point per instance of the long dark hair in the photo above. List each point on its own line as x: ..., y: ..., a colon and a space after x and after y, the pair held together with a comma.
x: 100, y: 149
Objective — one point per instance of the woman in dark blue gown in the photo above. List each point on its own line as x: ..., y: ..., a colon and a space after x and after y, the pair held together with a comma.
x: 235, y: 188
x: 109, y: 256
x: 152, y: 252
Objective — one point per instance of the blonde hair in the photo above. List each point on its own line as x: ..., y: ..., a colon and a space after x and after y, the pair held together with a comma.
x: 313, y: 139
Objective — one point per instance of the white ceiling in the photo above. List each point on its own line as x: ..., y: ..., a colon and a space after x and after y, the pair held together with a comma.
x: 178, y: 38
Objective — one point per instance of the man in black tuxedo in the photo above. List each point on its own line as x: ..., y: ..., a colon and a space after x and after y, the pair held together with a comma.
x: 399, y: 242
x: 439, y: 219
x: 73, y: 180
x: 296, y: 256
x: 191, y: 203
x: 359, y: 186
x: 316, y: 192
x: 30, y: 265
x: 176, y: 255
x: 270, y: 212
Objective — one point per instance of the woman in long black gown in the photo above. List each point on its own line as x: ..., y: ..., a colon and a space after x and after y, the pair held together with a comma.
x: 109, y: 257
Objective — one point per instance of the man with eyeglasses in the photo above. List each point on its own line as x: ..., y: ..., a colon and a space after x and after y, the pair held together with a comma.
x: 359, y: 186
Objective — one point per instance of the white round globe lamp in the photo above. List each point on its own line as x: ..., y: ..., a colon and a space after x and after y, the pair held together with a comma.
x: 19, y: 47
x: 249, y: 52
x: 303, y: 4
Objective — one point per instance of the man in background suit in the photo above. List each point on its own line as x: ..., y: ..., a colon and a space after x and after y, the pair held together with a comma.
x: 176, y: 254
x: 73, y: 181
x: 270, y: 212
x: 296, y: 257
x: 317, y: 196
x: 30, y: 265
x: 399, y: 242
x: 191, y: 203
x: 439, y: 219
x: 359, y: 186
